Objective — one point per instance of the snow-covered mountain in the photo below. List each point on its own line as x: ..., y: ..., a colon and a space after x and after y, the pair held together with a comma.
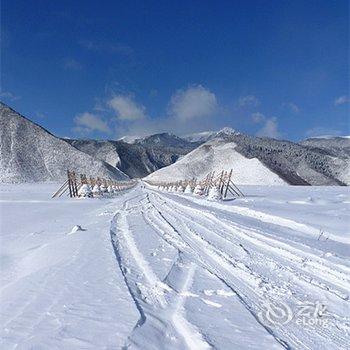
x: 140, y: 158
x: 29, y: 153
x: 335, y: 145
x: 165, y: 140
x: 260, y: 161
x: 205, y: 136
x: 129, y: 139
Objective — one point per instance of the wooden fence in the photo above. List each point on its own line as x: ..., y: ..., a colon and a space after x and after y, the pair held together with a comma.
x: 222, y: 180
x: 74, y: 184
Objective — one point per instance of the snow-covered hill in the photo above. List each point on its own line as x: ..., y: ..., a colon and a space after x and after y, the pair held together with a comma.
x: 260, y: 161
x: 29, y: 153
x: 217, y: 155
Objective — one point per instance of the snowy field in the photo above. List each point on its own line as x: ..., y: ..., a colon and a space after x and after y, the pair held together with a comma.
x: 158, y: 270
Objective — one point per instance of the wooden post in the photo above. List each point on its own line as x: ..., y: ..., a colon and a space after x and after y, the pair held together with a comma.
x: 236, y: 189
x: 70, y: 184
x: 75, y: 185
x: 209, y: 181
x: 228, y: 183
x: 62, y: 188
x: 221, y: 182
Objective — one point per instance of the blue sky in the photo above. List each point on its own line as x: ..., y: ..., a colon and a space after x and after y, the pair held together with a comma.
x: 108, y: 68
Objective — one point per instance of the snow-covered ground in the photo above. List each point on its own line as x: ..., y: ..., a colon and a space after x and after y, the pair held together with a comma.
x: 155, y: 270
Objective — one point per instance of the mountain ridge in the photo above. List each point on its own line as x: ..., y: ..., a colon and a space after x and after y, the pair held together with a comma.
x: 30, y: 153
x: 312, y: 161
x: 140, y: 158
x: 294, y: 163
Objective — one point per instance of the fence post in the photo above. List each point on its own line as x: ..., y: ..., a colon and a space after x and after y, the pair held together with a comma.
x: 228, y: 183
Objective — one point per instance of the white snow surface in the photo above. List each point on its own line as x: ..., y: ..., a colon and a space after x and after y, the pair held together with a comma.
x: 158, y: 270
x: 218, y: 155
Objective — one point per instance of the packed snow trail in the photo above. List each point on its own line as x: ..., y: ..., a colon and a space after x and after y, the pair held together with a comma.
x: 160, y: 294
x: 258, y: 266
x: 158, y: 270
x: 157, y: 302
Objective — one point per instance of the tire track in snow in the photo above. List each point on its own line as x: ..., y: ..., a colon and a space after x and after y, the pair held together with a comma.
x: 268, y: 218
x: 248, y: 277
x: 203, y: 259
x: 162, y: 323
x: 183, y: 270
x: 337, y: 272
x: 291, y: 255
x: 181, y: 230
x: 203, y: 207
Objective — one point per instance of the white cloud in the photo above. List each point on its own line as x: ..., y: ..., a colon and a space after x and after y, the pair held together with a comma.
x: 341, y: 100
x: 126, y: 108
x: 186, y: 107
x: 88, y: 122
x: 71, y: 64
x: 248, y: 101
x: 6, y: 95
x: 270, y: 129
x: 192, y: 103
x: 258, y: 117
x: 292, y: 106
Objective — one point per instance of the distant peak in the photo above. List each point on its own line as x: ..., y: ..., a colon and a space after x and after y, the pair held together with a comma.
x: 162, y: 134
x: 228, y: 131
x: 129, y: 139
x: 205, y: 136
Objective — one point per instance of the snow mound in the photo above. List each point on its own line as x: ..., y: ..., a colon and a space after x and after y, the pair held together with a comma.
x: 77, y: 228
x: 218, y: 155
x: 214, y: 194
x: 85, y: 191
x: 198, y: 190
x: 188, y: 189
x: 96, y: 190
x: 180, y: 189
